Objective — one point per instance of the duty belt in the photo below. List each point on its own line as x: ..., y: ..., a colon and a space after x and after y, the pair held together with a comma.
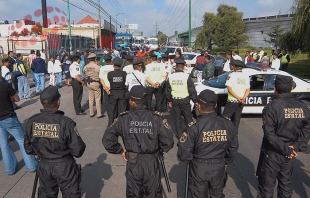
x: 142, y: 156
x: 178, y: 98
x: 233, y: 101
x: 66, y: 158
x: 204, y: 161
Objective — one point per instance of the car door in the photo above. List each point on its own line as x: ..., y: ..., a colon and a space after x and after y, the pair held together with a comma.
x: 257, y: 98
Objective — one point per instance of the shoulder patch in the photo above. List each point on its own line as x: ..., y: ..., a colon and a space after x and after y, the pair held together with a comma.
x: 115, y: 121
x: 124, y: 113
x: 166, y: 124
x: 192, y: 123
x: 183, y: 138
x: 158, y: 113
x: 76, y: 131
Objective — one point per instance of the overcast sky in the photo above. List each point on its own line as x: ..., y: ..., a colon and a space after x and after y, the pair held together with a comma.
x: 170, y: 15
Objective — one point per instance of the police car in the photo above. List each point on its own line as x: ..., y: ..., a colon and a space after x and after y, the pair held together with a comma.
x: 261, y: 86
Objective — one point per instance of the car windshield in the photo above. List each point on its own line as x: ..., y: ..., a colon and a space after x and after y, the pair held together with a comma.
x: 122, y: 39
x: 218, y: 82
x: 189, y: 56
x: 168, y: 49
x: 153, y: 42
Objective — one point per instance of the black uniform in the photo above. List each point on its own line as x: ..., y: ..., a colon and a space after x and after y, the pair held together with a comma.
x: 117, y: 79
x: 144, y: 133
x: 209, y: 144
x: 55, y: 139
x: 286, y: 121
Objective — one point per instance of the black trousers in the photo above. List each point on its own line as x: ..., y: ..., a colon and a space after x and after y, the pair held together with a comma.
x: 181, y: 106
x: 77, y: 89
x: 106, y: 99
x: 272, y: 168
x: 65, y: 175
x: 218, y: 71
x: 207, y: 178
x: 233, y: 111
x: 164, y: 98
x: 284, y: 67
x: 117, y: 99
x: 158, y: 96
x: 143, y: 179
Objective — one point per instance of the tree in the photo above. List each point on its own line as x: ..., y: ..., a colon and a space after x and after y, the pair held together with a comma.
x: 24, y: 32
x: 224, y: 29
x: 14, y: 33
x: 37, y: 28
x: 274, y: 36
x: 162, y: 38
x: 298, y: 40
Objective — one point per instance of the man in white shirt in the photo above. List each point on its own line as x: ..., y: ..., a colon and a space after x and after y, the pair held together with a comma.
x: 6, y: 74
x: 129, y: 67
x: 136, y: 77
x: 43, y: 56
x: 236, y: 56
x: 276, y: 62
x: 227, y: 63
x: 261, y: 54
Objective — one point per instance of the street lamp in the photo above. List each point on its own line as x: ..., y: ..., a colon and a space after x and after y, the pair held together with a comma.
x: 116, y: 21
x: 127, y: 16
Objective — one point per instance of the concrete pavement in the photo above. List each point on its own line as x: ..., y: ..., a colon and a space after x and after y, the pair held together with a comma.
x: 103, y: 173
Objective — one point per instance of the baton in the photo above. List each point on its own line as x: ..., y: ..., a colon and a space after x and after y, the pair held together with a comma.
x: 35, y: 183
x: 161, y: 159
x: 186, y: 180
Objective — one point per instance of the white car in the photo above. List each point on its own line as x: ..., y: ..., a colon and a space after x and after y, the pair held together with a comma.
x: 262, y: 89
x: 190, y: 59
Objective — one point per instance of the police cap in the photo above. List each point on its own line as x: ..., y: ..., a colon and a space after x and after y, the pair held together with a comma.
x: 283, y: 81
x: 117, y: 61
x: 107, y: 57
x: 152, y: 54
x: 137, y: 62
x: 91, y: 55
x: 50, y: 95
x: 237, y: 63
x: 180, y: 61
x: 164, y: 56
x: 207, y: 96
x: 137, y: 93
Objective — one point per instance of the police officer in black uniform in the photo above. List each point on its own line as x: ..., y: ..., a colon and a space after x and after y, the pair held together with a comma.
x: 55, y: 139
x: 144, y: 133
x: 180, y: 90
x: 286, y: 126
x: 209, y: 144
x: 117, y: 79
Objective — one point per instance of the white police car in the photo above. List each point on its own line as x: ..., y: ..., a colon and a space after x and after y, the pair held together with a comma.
x: 261, y: 86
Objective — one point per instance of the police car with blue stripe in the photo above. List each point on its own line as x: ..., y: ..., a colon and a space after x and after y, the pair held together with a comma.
x: 261, y: 86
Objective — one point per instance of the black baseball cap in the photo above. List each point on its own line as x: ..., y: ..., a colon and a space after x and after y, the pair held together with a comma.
x: 50, y: 94
x: 180, y: 61
x: 283, y: 81
x: 207, y: 96
x: 129, y: 57
x: 237, y: 63
x: 137, y: 62
x: 152, y: 54
x: 107, y: 57
x: 117, y: 61
x: 137, y: 93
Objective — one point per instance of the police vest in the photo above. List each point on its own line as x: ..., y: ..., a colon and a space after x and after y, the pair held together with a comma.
x: 178, y: 83
x: 283, y: 59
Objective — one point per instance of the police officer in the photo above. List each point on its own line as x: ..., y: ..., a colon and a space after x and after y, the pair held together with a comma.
x: 154, y: 77
x: 129, y: 67
x: 167, y: 73
x: 77, y: 85
x: 180, y: 90
x: 209, y: 144
x: 91, y: 72
x: 144, y: 133
x: 136, y: 77
x: 285, y: 59
x: 238, y: 86
x: 55, y: 139
x: 117, y: 79
x: 103, y: 75
x: 286, y: 126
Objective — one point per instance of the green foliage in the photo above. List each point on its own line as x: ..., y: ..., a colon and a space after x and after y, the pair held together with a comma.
x: 162, y: 38
x: 225, y: 29
x: 274, y: 36
x: 298, y: 40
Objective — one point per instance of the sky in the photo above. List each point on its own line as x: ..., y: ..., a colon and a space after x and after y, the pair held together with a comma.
x: 169, y: 15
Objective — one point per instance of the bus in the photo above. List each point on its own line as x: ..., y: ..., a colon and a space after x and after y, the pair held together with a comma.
x: 152, y: 43
x: 123, y: 40
x: 138, y: 41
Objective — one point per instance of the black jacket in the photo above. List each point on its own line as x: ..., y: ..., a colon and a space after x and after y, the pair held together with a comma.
x: 52, y: 135
x: 142, y: 131
x: 286, y: 121
x: 210, y: 137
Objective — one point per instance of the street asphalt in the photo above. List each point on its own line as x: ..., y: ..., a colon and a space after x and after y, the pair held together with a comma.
x: 103, y: 173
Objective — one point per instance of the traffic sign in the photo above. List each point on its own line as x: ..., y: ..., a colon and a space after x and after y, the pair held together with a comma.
x: 132, y: 26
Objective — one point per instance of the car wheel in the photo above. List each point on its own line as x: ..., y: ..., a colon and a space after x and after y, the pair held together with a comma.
x: 194, y: 73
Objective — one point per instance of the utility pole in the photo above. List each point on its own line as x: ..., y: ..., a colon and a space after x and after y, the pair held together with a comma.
x: 69, y: 26
x: 190, y: 24
x: 111, y: 31
x: 156, y: 29
x: 44, y: 13
x: 99, y: 19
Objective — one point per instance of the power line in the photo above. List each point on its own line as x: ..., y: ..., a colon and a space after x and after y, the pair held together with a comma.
x: 113, y: 6
x: 166, y: 13
x: 182, y: 18
x: 121, y: 9
x: 165, y: 22
x: 177, y: 12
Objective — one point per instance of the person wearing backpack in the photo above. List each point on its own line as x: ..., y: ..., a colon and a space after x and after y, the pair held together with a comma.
x: 20, y: 72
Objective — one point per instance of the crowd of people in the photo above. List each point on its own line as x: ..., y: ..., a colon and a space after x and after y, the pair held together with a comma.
x: 126, y: 83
